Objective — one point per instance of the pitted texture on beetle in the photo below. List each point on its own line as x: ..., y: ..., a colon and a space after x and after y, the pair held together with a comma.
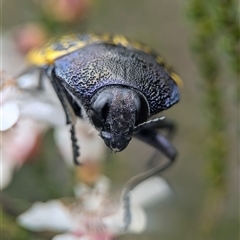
x: 121, y: 118
x: 86, y: 70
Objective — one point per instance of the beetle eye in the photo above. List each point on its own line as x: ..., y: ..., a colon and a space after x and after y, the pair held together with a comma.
x: 100, y: 109
x: 96, y: 119
x: 141, y: 110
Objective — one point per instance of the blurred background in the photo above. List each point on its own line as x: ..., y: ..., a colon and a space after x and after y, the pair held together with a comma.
x: 200, y: 39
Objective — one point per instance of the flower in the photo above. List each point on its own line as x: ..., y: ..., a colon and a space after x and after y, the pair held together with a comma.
x: 28, y: 36
x: 94, y: 215
x: 22, y: 127
x: 66, y: 10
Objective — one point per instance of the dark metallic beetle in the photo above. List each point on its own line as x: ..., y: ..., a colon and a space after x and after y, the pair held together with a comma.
x: 116, y: 85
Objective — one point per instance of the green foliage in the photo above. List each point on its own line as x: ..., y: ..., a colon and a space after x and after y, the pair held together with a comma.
x: 216, y: 40
x: 217, y: 21
x: 207, y: 55
x: 10, y: 230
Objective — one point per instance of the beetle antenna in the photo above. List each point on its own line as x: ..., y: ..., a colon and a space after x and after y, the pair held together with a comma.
x: 150, y: 122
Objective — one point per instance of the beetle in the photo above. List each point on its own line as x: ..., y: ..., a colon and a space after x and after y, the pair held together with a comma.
x: 115, y: 84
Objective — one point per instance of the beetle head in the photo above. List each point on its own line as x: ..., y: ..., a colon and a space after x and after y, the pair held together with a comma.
x: 115, y: 111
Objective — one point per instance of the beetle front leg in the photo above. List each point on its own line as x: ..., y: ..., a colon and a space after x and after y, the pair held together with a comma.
x: 159, y: 142
x: 168, y: 128
x: 69, y: 112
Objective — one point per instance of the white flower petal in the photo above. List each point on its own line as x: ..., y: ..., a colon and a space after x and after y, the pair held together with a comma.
x: 150, y: 191
x: 8, y: 94
x: 46, y: 112
x: 7, y: 169
x: 139, y: 220
x: 92, y: 146
x: 115, y: 222
x: 67, y: 236
x: 10, y: 114
x: 101, y: 186
x: 52, y: 215
x: 29, y: 80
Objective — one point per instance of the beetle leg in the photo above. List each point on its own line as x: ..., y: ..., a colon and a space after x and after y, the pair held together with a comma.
x: 40, y: 80
x: 165, y: 124
x: 25, y: 71
x: 159, y: 142
x: 69, y: 112
x: 29, y: 70
x: 75, y: 146
x: 168, y: 128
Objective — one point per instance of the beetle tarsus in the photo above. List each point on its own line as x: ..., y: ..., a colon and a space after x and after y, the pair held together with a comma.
x: 127, y: 209
x: 75, y: 146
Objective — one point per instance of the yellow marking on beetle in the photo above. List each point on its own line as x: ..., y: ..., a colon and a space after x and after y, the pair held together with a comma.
x: 52, y: 54
x: 176, y: 79
x: 168, y: 68
x: 58, y: 48
x: 47, y: 55
x: 119, y: 39
x: 106, y: 38
x: 141, y: 47
x: 35, y: 57
x: 160, y: 60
